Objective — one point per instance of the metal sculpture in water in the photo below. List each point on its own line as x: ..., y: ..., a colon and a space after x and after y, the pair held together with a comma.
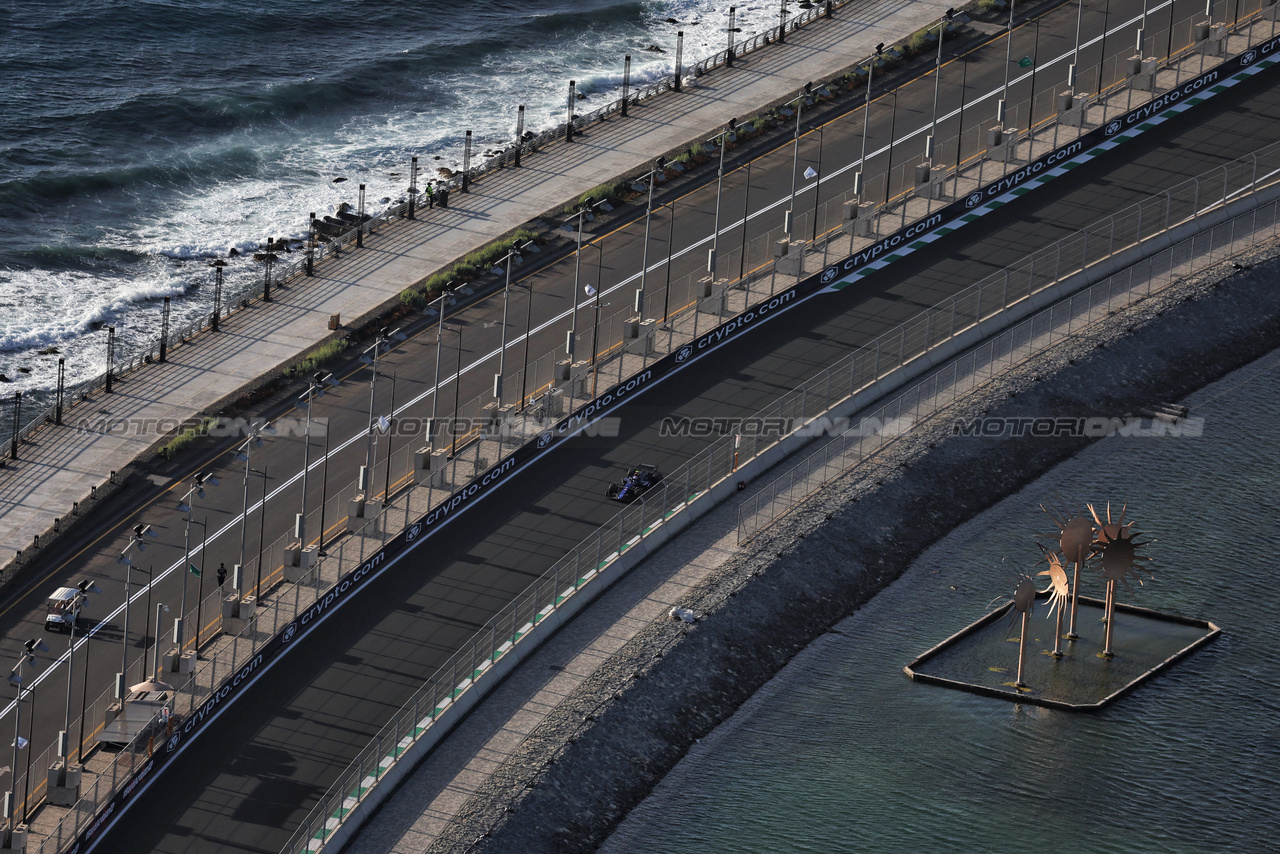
x: 1115, y: 552
x: 1059, y: 592
x: 1074, y: 541
x: 1023, y: 602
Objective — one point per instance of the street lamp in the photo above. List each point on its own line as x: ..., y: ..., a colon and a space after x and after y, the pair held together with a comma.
x: 795, y: 159
x: 29, y: 649
x: 937, y: 85
x: 1002, y: 104
x: 85, y: 587
x: 184, y: 506
x: 508, y: 261
x: 858, y: 186
x: 315, y: 388
x: 721, y: 139
x: 585, y: 213
x: 445, y: 299
x: 658, y: 166
x: 594, y: 293
x: 382, y: 342
x: 457, y: 386
x: 243, y: 453
x: 267, y: 259
x: 140, y: 534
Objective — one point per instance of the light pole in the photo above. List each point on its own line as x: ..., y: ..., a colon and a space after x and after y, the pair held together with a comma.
x: 721, y: 140
x: 85, y: 587
x: 508, y: 260
x: 315, y: 388
x: 937, y: 85
x: 381, y: 342
x: 445, y: 299
x: 267, y: 259
x: 585, y: 213
x: 789, y: 219
x: 161, y: 608
x: 27, y: 656
x: 243, y: 453
x: 457, y: 384
x: 140, y: 534
x: 658, y: 166
x: 528, y: 333
x: 184, y: 506
x: 1002, y: 104
x: 594, y: 293
x: 858, y: 186
x: 262, y: 535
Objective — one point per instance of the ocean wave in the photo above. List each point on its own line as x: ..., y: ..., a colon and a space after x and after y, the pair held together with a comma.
x: 46, y: 187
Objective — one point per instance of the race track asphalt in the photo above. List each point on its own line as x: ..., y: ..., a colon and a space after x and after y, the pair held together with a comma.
x: 254, y: 773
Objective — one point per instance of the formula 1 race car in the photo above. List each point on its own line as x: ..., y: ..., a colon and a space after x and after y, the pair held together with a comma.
x: 639, y: 480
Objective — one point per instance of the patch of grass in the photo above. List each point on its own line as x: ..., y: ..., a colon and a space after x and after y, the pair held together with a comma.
x: 472, y: 264
x: 921, y: 40
x: 319, y: 357
x: 186, y: 437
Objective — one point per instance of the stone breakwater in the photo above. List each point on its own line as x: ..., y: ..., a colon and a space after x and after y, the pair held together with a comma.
x: 602, y: 750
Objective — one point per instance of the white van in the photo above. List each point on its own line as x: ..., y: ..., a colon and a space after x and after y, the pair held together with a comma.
x: 63, y: 609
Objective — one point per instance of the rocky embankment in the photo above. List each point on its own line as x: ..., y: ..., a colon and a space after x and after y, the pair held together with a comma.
x: 604, y: 748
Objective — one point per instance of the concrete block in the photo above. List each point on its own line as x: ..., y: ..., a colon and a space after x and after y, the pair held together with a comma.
x: 63, y: 789
x: 421, y: 465
x: 355, y: 514
x: 17, y: 840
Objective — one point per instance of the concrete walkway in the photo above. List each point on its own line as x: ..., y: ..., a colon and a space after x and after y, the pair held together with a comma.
x: 61, y: 465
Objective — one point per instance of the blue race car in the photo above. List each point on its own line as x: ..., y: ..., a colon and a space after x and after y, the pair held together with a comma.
x: 639, y: 480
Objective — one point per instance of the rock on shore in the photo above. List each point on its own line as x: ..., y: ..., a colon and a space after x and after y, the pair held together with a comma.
x: 603, y: 749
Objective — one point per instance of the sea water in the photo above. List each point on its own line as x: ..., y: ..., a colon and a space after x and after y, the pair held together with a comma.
x: 140, y: 139
x: 841, y: 752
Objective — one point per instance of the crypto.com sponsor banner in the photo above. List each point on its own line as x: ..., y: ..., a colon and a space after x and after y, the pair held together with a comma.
x: 353, y: 581
x: 1202, y: 85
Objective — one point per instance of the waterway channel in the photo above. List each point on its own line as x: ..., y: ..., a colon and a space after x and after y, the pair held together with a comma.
x: 841, y: 752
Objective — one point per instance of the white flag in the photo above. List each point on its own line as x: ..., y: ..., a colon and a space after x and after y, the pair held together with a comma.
x: 590, y: 291
x: 384, y: 424
x: 810, y: 172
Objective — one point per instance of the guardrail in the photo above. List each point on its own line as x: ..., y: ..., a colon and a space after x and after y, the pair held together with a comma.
x: 998, y: 355
x: 290, y: 271
x: 834, y: 390
x: 227, y: 655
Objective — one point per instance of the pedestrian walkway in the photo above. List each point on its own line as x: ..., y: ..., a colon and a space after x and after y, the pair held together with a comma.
x: 59, y: 466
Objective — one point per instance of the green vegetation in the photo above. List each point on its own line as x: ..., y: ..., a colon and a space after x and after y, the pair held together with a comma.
x: 921, y: 40
x: 472, y: 265
x: 596, y: 194
x: 319, y: 357
x: 186, y: 437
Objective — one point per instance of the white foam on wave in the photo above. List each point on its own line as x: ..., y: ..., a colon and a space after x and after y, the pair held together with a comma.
x: 296, y: 168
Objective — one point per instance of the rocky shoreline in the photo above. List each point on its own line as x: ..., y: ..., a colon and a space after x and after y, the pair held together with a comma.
x: 603, y: 749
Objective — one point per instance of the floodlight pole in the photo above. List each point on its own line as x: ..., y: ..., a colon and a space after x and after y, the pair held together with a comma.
x: 721, y: 139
